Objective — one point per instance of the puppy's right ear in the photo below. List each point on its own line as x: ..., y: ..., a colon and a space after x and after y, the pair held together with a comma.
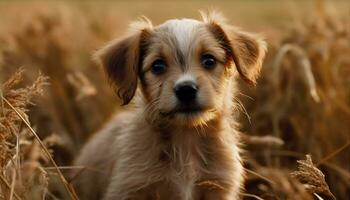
x: 122, y: 60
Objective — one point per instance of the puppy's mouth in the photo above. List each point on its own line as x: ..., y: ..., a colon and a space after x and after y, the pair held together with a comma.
x: 186, y: 110
x: 189, y: 110
x: 189, y: 116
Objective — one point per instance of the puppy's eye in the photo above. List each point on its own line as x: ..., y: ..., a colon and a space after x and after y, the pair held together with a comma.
x: 158, y: 66
x: 208, y: 61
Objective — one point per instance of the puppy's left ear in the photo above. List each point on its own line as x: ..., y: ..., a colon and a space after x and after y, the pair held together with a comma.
x: 246, y: 50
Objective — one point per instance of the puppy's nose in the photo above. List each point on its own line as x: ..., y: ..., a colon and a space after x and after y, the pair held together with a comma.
x: 186, y: 91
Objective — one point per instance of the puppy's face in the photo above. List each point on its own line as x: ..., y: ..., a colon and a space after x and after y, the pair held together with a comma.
x: 184, y: 72
x: 184, y: 67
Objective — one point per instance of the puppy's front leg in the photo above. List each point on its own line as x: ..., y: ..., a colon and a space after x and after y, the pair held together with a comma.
x: 214, y: 191
x: 147, y: 193
x: 214, y: 194
x: 129, y: 184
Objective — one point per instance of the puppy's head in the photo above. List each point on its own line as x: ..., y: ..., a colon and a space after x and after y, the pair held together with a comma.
x: 184, y: 67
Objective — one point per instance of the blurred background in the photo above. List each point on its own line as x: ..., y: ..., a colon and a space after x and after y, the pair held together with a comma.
x: 300, y: 106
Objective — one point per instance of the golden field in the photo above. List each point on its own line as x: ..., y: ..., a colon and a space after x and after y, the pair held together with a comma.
x: 53, y: 97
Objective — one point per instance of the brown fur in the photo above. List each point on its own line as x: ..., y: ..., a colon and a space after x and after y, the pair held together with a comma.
x: 154, y: 152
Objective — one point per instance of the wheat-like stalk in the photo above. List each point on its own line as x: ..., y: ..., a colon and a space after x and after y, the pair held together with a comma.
x: 14, y: 103
x: 312, y: 178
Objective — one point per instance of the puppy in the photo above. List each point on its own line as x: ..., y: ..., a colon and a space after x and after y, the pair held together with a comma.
x: 180, y: 141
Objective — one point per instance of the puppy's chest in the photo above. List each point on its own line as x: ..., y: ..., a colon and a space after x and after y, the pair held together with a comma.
x: 184, y: 156
x: 187, y: 158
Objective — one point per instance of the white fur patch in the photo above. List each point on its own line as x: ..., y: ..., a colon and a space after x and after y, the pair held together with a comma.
x: 186, y: 77
x: 183, y: 30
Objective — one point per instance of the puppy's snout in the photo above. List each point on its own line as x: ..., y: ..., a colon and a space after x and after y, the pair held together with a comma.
x: 186, y: 91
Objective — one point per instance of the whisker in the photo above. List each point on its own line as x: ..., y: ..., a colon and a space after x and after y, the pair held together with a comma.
x: 243, y: 109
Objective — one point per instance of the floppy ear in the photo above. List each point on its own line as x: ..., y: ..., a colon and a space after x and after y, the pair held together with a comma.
x: 246, y: 50
x: 121, y: 60
x: 248, y: 53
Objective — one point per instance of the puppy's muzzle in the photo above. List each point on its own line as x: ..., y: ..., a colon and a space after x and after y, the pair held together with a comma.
x: 186, y: 92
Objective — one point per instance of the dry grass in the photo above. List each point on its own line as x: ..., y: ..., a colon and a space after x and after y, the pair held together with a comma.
x: 301, y: 105
x: 312, y: 179
x: 20, y: 161
x: 303, y: 99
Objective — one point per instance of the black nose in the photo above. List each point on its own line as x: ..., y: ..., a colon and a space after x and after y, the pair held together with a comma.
x: 186, y: 91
